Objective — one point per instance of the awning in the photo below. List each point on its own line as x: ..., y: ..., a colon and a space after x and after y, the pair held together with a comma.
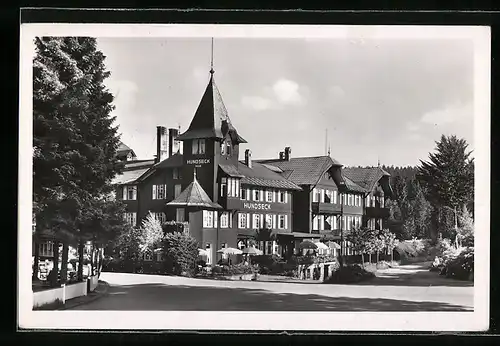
x: 300, y: 235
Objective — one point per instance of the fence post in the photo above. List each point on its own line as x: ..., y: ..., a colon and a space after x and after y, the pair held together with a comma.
x: 63, y: 293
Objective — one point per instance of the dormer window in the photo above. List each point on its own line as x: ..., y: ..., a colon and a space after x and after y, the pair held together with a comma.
x: 198, y: 146
x: 228, y: 148
x: 223, y: 148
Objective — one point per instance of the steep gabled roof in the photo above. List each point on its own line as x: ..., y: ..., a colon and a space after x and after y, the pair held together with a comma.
x: 129, y: 176
x: 211, y: 119
x: 123, y: 149
x: 352, y: 186
x: 365, y: 177
x: 303, y: 170
x: 194, y: 196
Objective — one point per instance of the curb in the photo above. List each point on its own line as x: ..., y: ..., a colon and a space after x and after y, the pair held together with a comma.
x: 89, y: 298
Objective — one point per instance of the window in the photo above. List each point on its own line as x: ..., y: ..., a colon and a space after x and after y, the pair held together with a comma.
x: 198, y: 146
x: 242, y: 220
x: 322, y: 196
x: 256, y: 195
x: 316, y: 195
x: 281, y: 221
x: 177, y: 190
x: 160, y: 191
x: 269, y: 246
x: 328, y: 223
x: 131, y: 218
x: 367, y: 201
x: 208, y: 219
x: 282, y: 196
x: 160, y: 217
x: 233, y: 187
x: 223, y: 187
x: 315, y: 222
x: 335, y: 196
x: 224, y: 220
x: 328, y: 196
x: 46, y: 249
x: 243, y: 194
x: 257, y: 223
x: 269, y: 221
x: 381, y: 202
x: 228, y: 148
x: 179, y: 215
x: 130, y: 193
x: 175, y: 173
x: 223, y: 148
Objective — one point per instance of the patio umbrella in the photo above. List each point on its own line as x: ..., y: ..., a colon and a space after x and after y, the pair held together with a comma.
x: 333, y: 245
x: 251, y: 251
x: 307, y: 244
x: 230, y: 251
x: 321, y: 246
x: 202, y: 252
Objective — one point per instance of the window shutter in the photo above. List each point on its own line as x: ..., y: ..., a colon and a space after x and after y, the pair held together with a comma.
x: 248, y: 220
x: 230, y: 220
x: 216, y: 215
x: 335, y: 196
x: 322, y: 196
x: 248, y: 195
x: 315, y: 222
x: 286, y: 196
x: 322, y: 222
x: 261, y: 194
x: 124, y: 193
x: 286, y: 221
x: 261, y: 220
x: 154, y: 191
x: 315, y: 196
x: 274, y: 196
x: 135, y: 192
x: 274, y: 221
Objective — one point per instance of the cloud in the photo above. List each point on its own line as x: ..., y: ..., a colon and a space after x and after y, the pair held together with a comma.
x: 257, y: 103
x: 451, y: 113
x: 283, y: 92
x: 287, y: 92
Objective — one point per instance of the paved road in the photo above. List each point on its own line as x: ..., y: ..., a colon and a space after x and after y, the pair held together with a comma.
x: 408, y: 288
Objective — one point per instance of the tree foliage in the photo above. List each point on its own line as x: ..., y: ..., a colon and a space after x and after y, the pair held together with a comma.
x: 151, y: 233
x: 74, y: 144
x: 181, y: 252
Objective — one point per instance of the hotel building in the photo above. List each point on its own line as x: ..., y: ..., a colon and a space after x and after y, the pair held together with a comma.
x: 198, y: 177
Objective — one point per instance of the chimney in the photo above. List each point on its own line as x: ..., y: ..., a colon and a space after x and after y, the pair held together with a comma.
x: 174, y: 145
x: 161, y: 144
x: 248, y: 158
x: 282, y: 155
x: 288, y: 152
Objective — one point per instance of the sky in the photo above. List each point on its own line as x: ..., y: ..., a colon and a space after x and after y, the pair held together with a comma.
x: 370, y: 99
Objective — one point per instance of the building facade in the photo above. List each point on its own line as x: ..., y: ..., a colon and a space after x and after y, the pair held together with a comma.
x: 198, y: 177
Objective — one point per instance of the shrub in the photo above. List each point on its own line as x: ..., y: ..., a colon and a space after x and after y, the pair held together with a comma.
x: 238, y: 269
x: 459, y: 266
x: 349, y: 274
x: 265, y: 260
x: 181, y: 252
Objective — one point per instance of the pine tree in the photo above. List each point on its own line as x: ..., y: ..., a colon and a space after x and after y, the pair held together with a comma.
x: 74, y: 144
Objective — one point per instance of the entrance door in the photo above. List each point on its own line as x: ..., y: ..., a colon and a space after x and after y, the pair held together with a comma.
x: 208, y: 248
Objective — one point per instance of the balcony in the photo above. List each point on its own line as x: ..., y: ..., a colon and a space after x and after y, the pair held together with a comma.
x: 377, y: 212
x: 325, y: 208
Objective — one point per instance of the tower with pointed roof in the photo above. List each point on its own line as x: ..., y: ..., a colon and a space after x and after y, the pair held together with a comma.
x: 211, y: 139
